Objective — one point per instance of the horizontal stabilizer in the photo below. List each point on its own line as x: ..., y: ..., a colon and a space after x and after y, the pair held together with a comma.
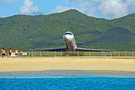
x: 62, y: 44
x: 94, y: 50
x: 83, y: 43
x: 50, y: 49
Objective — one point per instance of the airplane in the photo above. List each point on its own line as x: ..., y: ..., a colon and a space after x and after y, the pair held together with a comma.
x: 71, y: 45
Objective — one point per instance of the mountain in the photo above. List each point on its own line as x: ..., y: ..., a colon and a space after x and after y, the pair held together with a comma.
x: 117, y: 37
x: 45, y: 31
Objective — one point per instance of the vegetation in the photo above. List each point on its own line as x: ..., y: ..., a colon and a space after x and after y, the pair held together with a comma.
x: 45, y: 31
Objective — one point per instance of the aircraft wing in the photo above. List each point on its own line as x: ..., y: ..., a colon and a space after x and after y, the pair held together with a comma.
x: 50, y: 49
x: 94, y: 50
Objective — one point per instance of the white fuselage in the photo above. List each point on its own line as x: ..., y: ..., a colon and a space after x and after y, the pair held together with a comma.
x: 70, y: 41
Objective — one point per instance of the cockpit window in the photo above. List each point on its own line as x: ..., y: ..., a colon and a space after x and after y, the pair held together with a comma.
x: 68, y: 34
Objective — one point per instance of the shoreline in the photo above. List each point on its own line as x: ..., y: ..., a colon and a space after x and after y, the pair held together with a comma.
x: 66, y: 74
x: 91, y: 64
x: 90, y: 71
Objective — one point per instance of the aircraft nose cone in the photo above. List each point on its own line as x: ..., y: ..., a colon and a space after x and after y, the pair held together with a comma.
x: 68, y: 37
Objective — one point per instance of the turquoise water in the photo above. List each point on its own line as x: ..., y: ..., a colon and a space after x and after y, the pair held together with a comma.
x: 68, y: 83
x: 67, y: 80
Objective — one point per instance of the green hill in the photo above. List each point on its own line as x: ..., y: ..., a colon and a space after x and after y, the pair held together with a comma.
x: 44, y: 31
x: 117, y: 37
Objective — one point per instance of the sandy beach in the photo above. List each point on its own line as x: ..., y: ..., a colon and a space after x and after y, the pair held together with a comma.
x: 91, y: 64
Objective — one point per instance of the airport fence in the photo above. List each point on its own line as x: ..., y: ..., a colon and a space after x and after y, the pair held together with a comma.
x: 70, y: 54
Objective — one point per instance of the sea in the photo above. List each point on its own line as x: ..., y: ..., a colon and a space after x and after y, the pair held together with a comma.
x: 66, y: 80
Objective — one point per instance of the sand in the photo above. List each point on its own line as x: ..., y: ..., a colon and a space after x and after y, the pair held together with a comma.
x: 91, y: 64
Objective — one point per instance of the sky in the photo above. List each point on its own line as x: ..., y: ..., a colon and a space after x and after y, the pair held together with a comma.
x: 108, y: 9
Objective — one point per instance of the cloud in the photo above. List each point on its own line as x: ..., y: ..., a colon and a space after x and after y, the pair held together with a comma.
x: 112, y: 8
x: 83, y: 6
x: 36, y: 13
x: 59, y: 9
x: 108, y: 9
x: 115, y: 8
x: 131, y: 5
x: 130, y: 2
x: 7, y: 2
x: 28, y: 8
